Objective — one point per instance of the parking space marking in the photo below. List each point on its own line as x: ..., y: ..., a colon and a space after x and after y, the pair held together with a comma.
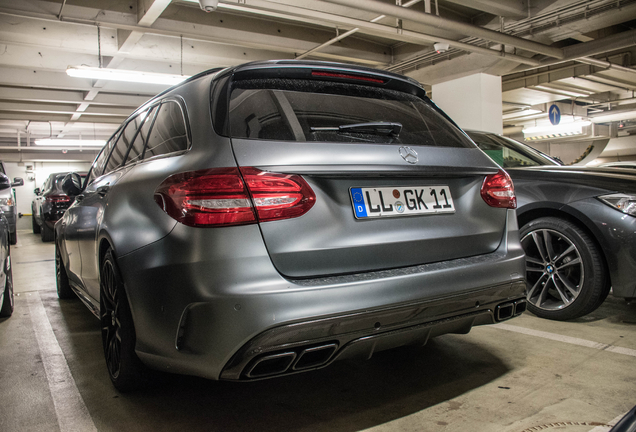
x: 567, y: 339
x: 72, y: 414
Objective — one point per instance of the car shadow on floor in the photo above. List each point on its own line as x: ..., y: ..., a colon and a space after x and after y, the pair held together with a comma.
x: 345, y: 396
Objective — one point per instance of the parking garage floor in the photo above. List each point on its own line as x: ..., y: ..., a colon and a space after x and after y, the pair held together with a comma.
x: 526, y: 374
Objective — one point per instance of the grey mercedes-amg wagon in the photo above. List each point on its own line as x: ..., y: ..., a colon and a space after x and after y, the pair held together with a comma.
x: 271, y: 218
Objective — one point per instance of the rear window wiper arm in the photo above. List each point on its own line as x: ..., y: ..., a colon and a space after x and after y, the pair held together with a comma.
x: 375, y: 128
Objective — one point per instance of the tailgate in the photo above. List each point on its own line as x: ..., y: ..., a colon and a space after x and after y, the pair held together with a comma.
x: 374, y: 146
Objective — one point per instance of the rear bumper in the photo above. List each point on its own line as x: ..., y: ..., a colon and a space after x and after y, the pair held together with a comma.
x: 314, y: 344
x: 209, y: 302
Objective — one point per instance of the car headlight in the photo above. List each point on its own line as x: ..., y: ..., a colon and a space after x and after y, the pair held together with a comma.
x: 622, y: 202
x: 6, y: 201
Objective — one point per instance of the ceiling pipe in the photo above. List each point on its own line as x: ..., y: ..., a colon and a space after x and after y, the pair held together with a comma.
x: 283, y: 10
x: 582, y: 52
x: 616, y: 41
x: 446, y: 24
x: 605, y: 64
x: 349, y: 33
x: 455, y: 44
x: 369, y: 28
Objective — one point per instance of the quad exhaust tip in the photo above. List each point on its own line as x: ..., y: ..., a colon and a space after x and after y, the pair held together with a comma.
x: 508, y: 310
x: 291, y: 361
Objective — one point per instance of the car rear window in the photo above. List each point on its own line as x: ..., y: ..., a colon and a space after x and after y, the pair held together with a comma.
x: 59, y: 180
x: 295, y: 109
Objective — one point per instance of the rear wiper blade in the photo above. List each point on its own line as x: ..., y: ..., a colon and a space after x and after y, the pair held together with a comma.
x: 376, y: 128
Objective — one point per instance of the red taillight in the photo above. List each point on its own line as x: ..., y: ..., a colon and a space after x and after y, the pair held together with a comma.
x: 219, y: 197
x: 498, y: 191
x: 278, y: 196
x: 58, y: 199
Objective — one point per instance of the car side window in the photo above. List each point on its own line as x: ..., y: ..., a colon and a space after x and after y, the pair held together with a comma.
x: 136, y: 151
x: 168, y: 133
x: 125, y: 140
x: 100, y: 161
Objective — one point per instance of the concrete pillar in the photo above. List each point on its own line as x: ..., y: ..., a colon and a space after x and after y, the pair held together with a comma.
x: 473, y: 102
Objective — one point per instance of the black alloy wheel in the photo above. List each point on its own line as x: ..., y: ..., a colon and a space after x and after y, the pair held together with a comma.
x: 6, y: 309
x: 118, y: 331
x: 64, y: 290
x: 565, y: 271
x: 47, y: 233
x: 34, y: 224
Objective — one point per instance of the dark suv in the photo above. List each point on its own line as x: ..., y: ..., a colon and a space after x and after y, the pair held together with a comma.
x: 270, y: 218
x: 49, y: 205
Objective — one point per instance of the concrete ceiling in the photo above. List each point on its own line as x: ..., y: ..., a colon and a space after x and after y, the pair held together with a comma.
x: 580, y: 53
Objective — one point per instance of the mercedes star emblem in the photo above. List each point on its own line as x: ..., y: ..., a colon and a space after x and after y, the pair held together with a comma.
x: 408, y: 154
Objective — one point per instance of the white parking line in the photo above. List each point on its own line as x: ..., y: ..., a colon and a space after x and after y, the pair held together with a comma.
x: 72, y: 414
x: 567, y: 339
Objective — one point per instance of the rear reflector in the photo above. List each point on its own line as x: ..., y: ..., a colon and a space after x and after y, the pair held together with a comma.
x: 498, y: 191
x: 58, y: 198
x: 225, y: 196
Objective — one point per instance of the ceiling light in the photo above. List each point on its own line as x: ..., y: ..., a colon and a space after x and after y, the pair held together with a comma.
x: 610, y: 116
x: 562, y: 130
x: 70, y: 143
x: 124, y: 75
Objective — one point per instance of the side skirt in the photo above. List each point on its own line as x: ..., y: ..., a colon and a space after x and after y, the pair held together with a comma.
x: 90, y: 303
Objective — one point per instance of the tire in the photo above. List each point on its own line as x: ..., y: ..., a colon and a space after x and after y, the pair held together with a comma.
x: 565, y: 270
x: 13, y: 237
x: 126, y: 371
x: 47, y: 233
x: 7, y: 303
x: 64, y: 290
x: 34, y: 225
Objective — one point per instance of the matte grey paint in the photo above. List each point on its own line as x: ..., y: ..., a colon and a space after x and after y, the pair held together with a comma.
x: 170, y: 269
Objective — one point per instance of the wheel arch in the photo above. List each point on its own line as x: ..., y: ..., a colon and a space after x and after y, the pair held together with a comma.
x: 106, y: 243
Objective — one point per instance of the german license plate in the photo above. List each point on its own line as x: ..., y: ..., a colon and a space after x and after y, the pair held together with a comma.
x: 401, y: 201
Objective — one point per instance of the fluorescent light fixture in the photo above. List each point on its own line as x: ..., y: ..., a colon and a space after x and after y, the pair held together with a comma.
x: 614, y: 116
x: 124, y: 75
x: 563, y: 130
x: 70, y: 143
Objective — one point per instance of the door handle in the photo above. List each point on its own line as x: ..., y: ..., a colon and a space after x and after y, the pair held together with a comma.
x: 79, y: 197
x: 103, y: 190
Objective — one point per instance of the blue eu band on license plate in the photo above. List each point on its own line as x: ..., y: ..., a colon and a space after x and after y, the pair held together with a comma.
x: 401, y: 201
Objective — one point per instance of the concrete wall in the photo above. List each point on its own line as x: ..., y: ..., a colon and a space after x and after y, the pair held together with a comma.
x: 474, y: 102
x: 36, y: 176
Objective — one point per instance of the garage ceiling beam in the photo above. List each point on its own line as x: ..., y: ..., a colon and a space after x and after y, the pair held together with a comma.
x: 205, y: 33
x: 148, y: 11
x: 446, y: 24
